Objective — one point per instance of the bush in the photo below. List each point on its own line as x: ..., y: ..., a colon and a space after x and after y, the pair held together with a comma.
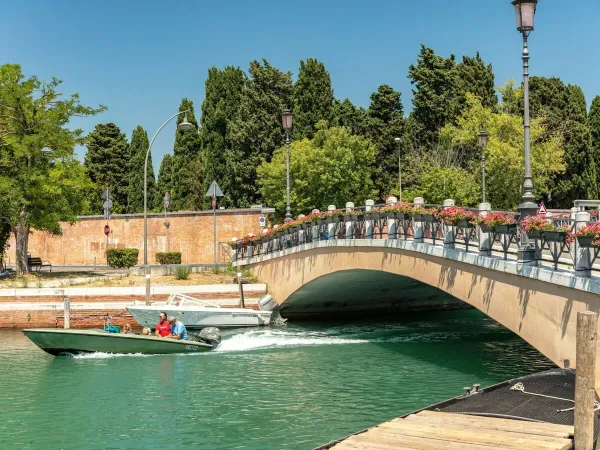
x: 122, y: 257
x: 181, y: 273
x: 168, y: 257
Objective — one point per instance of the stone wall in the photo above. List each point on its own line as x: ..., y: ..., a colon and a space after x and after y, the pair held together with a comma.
x: 190, y: 233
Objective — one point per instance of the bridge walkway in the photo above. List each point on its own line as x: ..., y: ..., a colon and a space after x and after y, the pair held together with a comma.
x: 446, y: 431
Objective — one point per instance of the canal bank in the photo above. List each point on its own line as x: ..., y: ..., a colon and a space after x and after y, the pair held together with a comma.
x: 295, y: 386
x: 44, y: 307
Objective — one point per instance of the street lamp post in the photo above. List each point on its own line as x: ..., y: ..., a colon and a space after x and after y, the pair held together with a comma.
x: 286, y: 119
x: 398, y: 141
x: 184, y: 126
x: 167, y: 204
x: 482, y: 138
x: 525, y: 12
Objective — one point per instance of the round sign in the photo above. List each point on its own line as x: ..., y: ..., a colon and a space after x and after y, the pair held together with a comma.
x: 106, y: 230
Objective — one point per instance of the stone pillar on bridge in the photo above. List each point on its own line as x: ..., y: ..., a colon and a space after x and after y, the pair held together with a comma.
x: 392, y: 222
x: 369, y: 227
x: 582, y: 260
x: 301, y: 232
x: 485, y: 239
x: 331, y: 227
x: 449, y: 230
x: 574, y: 211
x: 349, y: 224
x: 418, y: 227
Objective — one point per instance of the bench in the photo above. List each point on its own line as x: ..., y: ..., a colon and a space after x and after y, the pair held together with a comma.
x: 38, y: 263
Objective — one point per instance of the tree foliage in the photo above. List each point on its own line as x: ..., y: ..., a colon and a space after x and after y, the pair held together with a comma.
x: 385, y: 123
x: 257, y: 130
x: 313, y: 98
x: 346, y: 114
x: 41, y: 181
x: 437, y: 184
x: 107, y: 165
x: 334, y: 167
x: 504, y: 152
x: 224, y: 90
x: 137, y: 156
x: 187, y: 176
x: 164, y: 183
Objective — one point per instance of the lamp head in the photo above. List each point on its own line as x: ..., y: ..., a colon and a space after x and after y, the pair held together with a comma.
x: 286, y: 119
x: 482, y: 138
x: 185, y: 125
x: 525, y: 13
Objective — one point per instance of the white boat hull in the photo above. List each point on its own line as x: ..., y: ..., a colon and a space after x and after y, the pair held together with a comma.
x: 200, y: 317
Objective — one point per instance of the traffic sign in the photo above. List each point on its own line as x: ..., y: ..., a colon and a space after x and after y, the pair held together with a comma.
x: 542, y: 211
x: 106, y: 195
x: 107, y: 204
x: 106, y: 230
x: 262, y: 221
x: 214, y: 190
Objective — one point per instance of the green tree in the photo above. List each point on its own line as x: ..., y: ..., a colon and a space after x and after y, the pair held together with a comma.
x: 137, y: 156
x: 334, y: 167
x: 593, y: 123
x: 477, y: 78
x: 313, y: 98
x: 41, y: 181
x: 164, y: 183
x: 504, y: 152
x: 224, y: 90
x: 186, y: 151
x: 107, y: 165
x: 434, y: 94
x: 437, y: 184
x: 257, y: 130
x: 345, y: 114
x: 385, y: 123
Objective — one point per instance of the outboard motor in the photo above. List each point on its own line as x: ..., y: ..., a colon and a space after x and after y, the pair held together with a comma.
x: 268, y: 303
x: 210, y: 335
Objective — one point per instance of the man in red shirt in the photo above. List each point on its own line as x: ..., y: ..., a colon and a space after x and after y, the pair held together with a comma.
x: 163, y: 328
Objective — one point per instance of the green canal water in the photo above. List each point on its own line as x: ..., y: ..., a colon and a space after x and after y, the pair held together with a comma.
x: 293, y: 387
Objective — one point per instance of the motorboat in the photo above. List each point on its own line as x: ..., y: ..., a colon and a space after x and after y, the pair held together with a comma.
x: 59, y: 341
x: 197, y: 314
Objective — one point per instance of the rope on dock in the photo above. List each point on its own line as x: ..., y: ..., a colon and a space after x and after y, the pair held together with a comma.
x: 521, y: 387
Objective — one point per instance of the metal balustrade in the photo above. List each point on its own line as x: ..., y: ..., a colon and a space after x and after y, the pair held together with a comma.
x: 553, y: 250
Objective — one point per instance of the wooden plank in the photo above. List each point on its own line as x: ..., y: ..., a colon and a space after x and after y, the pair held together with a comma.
x: 585, y: 378
x: 467, y: 436
x: 517, y: 428
x: 497, y: 420
x: 422, y: 443
x: 348, y: 445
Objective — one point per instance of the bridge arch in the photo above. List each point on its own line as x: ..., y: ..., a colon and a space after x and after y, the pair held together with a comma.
x: 542, y: 313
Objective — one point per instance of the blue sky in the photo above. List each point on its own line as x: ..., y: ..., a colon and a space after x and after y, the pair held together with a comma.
x: 140, y: 58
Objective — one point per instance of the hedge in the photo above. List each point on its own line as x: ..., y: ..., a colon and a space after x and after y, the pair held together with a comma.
x: 122, y: 257
x: 168, y: 257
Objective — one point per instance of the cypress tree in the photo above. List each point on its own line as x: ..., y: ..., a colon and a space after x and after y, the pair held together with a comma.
x: 186, y: 151
x: 385, y: 123
x: 475, y: 77
x: 107, y: 165
x: 313, y: 98
x: 593, y: 123
x: 345, y: 114
x: 220, y: 108
x: 165, y: 181
x: 257, y: 130
x: 137, y: 151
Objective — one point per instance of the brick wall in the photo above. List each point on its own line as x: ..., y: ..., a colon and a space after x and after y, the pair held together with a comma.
x: 191, y: 233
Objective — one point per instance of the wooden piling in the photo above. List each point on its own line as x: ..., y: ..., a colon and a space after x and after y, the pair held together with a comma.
x: 67, y: 311
x: 585, y: 379
x: 239, y: 278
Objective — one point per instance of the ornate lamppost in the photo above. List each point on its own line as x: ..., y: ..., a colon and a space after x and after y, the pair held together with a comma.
x: 286, y: 119
x: 482, y: 139
x: 525, y: 13
x: 398, y: 141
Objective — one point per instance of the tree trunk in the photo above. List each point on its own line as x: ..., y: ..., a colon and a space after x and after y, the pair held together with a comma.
x: 22, y: 241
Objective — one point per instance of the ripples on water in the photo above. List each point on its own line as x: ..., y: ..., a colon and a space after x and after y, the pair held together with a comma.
x: 290, y: 387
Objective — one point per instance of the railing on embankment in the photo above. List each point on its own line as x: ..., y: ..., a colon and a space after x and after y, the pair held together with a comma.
x: 555, y: 250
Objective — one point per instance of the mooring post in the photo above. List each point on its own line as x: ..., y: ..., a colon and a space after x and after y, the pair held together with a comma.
x: 67, y: 312
x: 239, y: 278
x: 585, y: 378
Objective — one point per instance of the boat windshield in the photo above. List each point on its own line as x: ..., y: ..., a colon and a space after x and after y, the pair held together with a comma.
x: 180, y: 300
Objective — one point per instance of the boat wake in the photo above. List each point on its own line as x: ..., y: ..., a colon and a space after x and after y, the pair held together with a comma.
x: 103, y: 355
x: 251, y: 340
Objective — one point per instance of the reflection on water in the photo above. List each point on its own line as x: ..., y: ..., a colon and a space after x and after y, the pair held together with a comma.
x: 290, y: 387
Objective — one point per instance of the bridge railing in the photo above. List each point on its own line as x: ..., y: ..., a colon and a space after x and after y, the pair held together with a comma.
x: 558, y: 250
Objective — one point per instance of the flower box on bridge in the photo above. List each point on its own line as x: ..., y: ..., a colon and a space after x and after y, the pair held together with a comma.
x: 507, y: 228
x: 554, y: 236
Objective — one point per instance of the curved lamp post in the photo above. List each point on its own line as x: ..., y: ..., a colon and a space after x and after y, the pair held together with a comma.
x: 286, y: 119
x: 482, y: 139
x: 525, y: 13
x: 184, y: 126
x: 398, y: 141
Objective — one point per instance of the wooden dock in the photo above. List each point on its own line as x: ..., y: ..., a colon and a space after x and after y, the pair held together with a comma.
x: 446, y: 431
